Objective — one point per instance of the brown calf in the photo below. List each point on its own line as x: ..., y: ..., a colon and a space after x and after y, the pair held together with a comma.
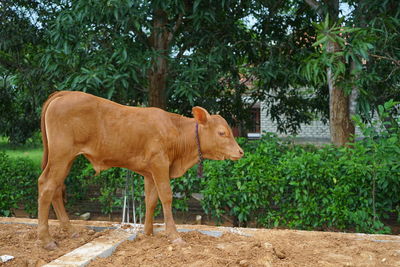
x: 154, y: 143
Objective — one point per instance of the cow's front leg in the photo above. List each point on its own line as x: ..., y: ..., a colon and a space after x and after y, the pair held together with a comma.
x: 151, y: 203
x: 162, y: 182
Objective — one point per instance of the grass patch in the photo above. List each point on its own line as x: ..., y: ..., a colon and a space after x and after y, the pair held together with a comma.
x: 31, y: 151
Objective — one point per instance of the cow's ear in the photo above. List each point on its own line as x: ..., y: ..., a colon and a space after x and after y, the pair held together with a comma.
x: 200, y: 114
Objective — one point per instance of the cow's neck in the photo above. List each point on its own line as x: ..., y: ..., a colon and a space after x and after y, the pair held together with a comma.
x: 185, y: 151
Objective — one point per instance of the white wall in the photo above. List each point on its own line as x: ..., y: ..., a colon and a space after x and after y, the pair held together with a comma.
x: 316, y: 131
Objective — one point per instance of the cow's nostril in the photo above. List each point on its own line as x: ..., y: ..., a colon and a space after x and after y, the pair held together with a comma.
x: 241, y: 152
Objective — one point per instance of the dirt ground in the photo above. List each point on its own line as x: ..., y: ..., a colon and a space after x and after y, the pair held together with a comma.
x: 20, y: 241
x: 236, y: 247
x: 260, y: 248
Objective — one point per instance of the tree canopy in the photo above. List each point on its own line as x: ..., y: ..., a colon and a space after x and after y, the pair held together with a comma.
x: 222, y: 55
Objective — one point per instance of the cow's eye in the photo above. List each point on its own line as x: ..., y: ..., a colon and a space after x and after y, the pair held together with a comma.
x: 221, y: 133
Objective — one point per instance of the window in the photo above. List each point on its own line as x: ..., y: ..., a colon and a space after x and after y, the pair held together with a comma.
x: 255, y: 120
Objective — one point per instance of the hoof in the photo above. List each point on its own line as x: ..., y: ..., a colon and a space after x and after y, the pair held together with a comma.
x: 179, y: 241
x: 149, y: 233
x: 52, y: 245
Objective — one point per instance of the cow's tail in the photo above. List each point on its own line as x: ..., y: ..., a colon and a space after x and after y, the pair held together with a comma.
x: 43, y: 126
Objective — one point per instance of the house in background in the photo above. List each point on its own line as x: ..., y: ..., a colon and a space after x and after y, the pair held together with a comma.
x: 255, y: 131
x: 315, y: 132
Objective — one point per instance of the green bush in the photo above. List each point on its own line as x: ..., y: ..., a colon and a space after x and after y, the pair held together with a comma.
x: 244, y: 188
x: 183, y: 188
x: 18, y: 180
x: 109, y: 184
x: 76, y: 181
x: 304, y: 187
x: 112, y: 182
x: 307, y: 180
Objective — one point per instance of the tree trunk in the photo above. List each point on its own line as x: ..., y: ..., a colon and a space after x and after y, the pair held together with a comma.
x: 159, y: 69
x: 341, y: 126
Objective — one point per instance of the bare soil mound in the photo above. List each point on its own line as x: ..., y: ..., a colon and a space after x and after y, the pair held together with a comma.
x: 199, y: 250
x: 261, y: 248
x: 20, y: 241
x: 236, y: 247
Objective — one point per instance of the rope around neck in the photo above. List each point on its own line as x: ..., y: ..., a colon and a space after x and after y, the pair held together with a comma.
x: 200, y: 162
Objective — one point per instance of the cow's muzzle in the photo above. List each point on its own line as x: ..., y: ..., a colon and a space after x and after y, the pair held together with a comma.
x: 239, y: 155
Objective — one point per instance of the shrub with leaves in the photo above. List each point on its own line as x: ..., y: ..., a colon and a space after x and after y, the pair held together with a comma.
x: 244, y: 188
x: 18, y: 180
x: 303, y: 187
x: 183, y: 188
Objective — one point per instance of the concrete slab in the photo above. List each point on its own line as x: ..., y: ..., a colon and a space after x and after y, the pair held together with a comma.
x: 28, y: 221
x: 205, y: 232
x: 102, y: 247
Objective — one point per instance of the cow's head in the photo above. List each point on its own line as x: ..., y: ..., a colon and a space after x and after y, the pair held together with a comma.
x: 216, y: 138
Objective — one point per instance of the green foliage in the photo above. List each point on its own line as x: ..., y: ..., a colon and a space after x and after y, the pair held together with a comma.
x: 112, y: 183
x: 31, y: 149
x: 109, y: 181
x: 76, y: 181
x: 289, y: 98
x: 305, y: 189
x: 364, y: 55
x: 244, y: 188
x: 218, y: 52
x: 109, y: 184
x: 18, y: 179
x: 183, y: 188
x: 382, y: 151
x: 20, y: 113
x: 337, y: 47
x: 278, y: 184
x: 23, y: 86
x: 380, y: 79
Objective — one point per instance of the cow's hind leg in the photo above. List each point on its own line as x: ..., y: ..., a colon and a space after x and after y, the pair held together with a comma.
x: 50, y: 182
x: 58, y: 205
